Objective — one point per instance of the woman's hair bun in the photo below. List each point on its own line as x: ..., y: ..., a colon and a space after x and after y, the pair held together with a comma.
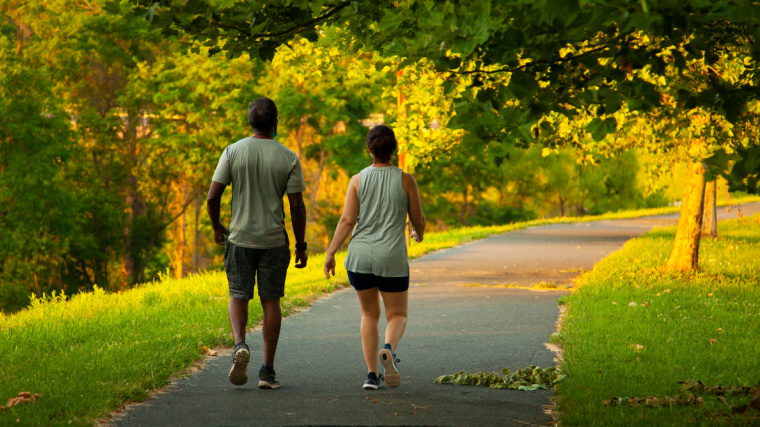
x: 381, y: 142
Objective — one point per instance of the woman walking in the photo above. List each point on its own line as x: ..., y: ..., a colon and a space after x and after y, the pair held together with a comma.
x: 377, y: 203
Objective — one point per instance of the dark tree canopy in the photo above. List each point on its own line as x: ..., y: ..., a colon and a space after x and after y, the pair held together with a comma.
x: 558, y: 55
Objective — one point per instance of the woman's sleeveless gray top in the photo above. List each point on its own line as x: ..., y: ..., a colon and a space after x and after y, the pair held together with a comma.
x: 378, y: 245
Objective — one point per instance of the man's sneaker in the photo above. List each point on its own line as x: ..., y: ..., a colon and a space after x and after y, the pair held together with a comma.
x: 240, y: 358
x: 388, y: 359
x: 373, y: 381
x: 267, y: 378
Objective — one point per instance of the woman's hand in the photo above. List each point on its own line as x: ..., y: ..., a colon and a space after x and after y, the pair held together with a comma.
x: 329, y: 265
x: 415, y: 236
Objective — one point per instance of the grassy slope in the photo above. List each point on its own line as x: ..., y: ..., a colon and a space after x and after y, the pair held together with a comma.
x: 676, y: 317
x: 87, y: 354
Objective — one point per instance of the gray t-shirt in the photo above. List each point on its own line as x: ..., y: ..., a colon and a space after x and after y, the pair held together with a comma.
x: 260, y: 171
x: 378, y: 244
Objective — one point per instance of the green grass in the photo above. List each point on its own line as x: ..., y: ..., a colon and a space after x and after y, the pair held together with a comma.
x: 702, y: 326
x: 87, y: 354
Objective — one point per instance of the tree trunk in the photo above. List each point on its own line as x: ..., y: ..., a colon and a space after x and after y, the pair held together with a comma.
x: 316, y: 179
x: 685, y: 254
x: 197, y: 232
x: 465, y: 206
x: 179, y: 269
x: 709, y: 218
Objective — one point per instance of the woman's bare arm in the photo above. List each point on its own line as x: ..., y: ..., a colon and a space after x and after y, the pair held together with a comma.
x: 416, y: 216
x: 345, y: 225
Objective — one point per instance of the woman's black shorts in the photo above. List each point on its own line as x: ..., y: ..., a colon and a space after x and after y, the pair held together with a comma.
x: 364, y: 281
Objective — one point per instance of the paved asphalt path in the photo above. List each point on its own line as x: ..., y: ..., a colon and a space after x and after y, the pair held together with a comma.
x: 452, y: 327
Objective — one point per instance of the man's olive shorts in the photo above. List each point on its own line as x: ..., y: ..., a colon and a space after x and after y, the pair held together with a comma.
x: 244, y: 264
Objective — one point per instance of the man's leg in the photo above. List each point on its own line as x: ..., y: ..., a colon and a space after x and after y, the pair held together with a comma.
x: 241, y: 355
x: 271, y: 329
x: 240, y: 268
x: 272, y: 270
x: 238, y: 313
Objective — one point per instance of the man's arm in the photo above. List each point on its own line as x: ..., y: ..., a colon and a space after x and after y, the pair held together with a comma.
x: 213, y: 207
x: 298, y: 218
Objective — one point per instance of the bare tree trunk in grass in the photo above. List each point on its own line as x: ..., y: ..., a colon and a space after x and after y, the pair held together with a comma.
x: 197, y: 232
x: 709, y: 214
x: 685, y: 254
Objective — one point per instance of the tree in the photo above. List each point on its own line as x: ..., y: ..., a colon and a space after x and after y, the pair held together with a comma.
x: 528, y: 60
x: 147, y: 123
x: 34, y: 142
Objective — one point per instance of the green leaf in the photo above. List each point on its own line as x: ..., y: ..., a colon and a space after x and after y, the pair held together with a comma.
x: 448, y: 87
x: 600, y: 128
x: 196, y: 7
x: 163, y: 19
x: 522, y: 85
x: 113, y: 7
x: 532, y: 387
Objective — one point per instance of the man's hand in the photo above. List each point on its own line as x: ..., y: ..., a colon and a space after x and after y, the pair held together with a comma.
x: 329, y: 265
x: 301, y: 258
x: 415, y: 236
x: 220, y: 235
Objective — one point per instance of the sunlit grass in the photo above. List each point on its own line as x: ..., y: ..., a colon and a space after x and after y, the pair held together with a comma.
x: 702, y: 326
x: 87, y: 354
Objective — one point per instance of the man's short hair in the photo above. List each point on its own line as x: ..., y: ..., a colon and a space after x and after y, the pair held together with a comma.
x: 262, y: 114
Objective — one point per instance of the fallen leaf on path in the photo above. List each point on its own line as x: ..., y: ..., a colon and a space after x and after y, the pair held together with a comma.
x: 206, y: 350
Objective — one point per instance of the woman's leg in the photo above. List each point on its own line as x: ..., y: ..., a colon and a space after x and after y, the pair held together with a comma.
x: 370, y: 302
x: 396, y: 308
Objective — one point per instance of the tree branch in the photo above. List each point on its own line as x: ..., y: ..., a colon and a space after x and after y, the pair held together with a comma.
x: 294, y: 29
x: 533, y: 63
x: 314, y: 21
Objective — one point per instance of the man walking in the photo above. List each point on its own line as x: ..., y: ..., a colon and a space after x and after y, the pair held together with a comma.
x: 261, y: 171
